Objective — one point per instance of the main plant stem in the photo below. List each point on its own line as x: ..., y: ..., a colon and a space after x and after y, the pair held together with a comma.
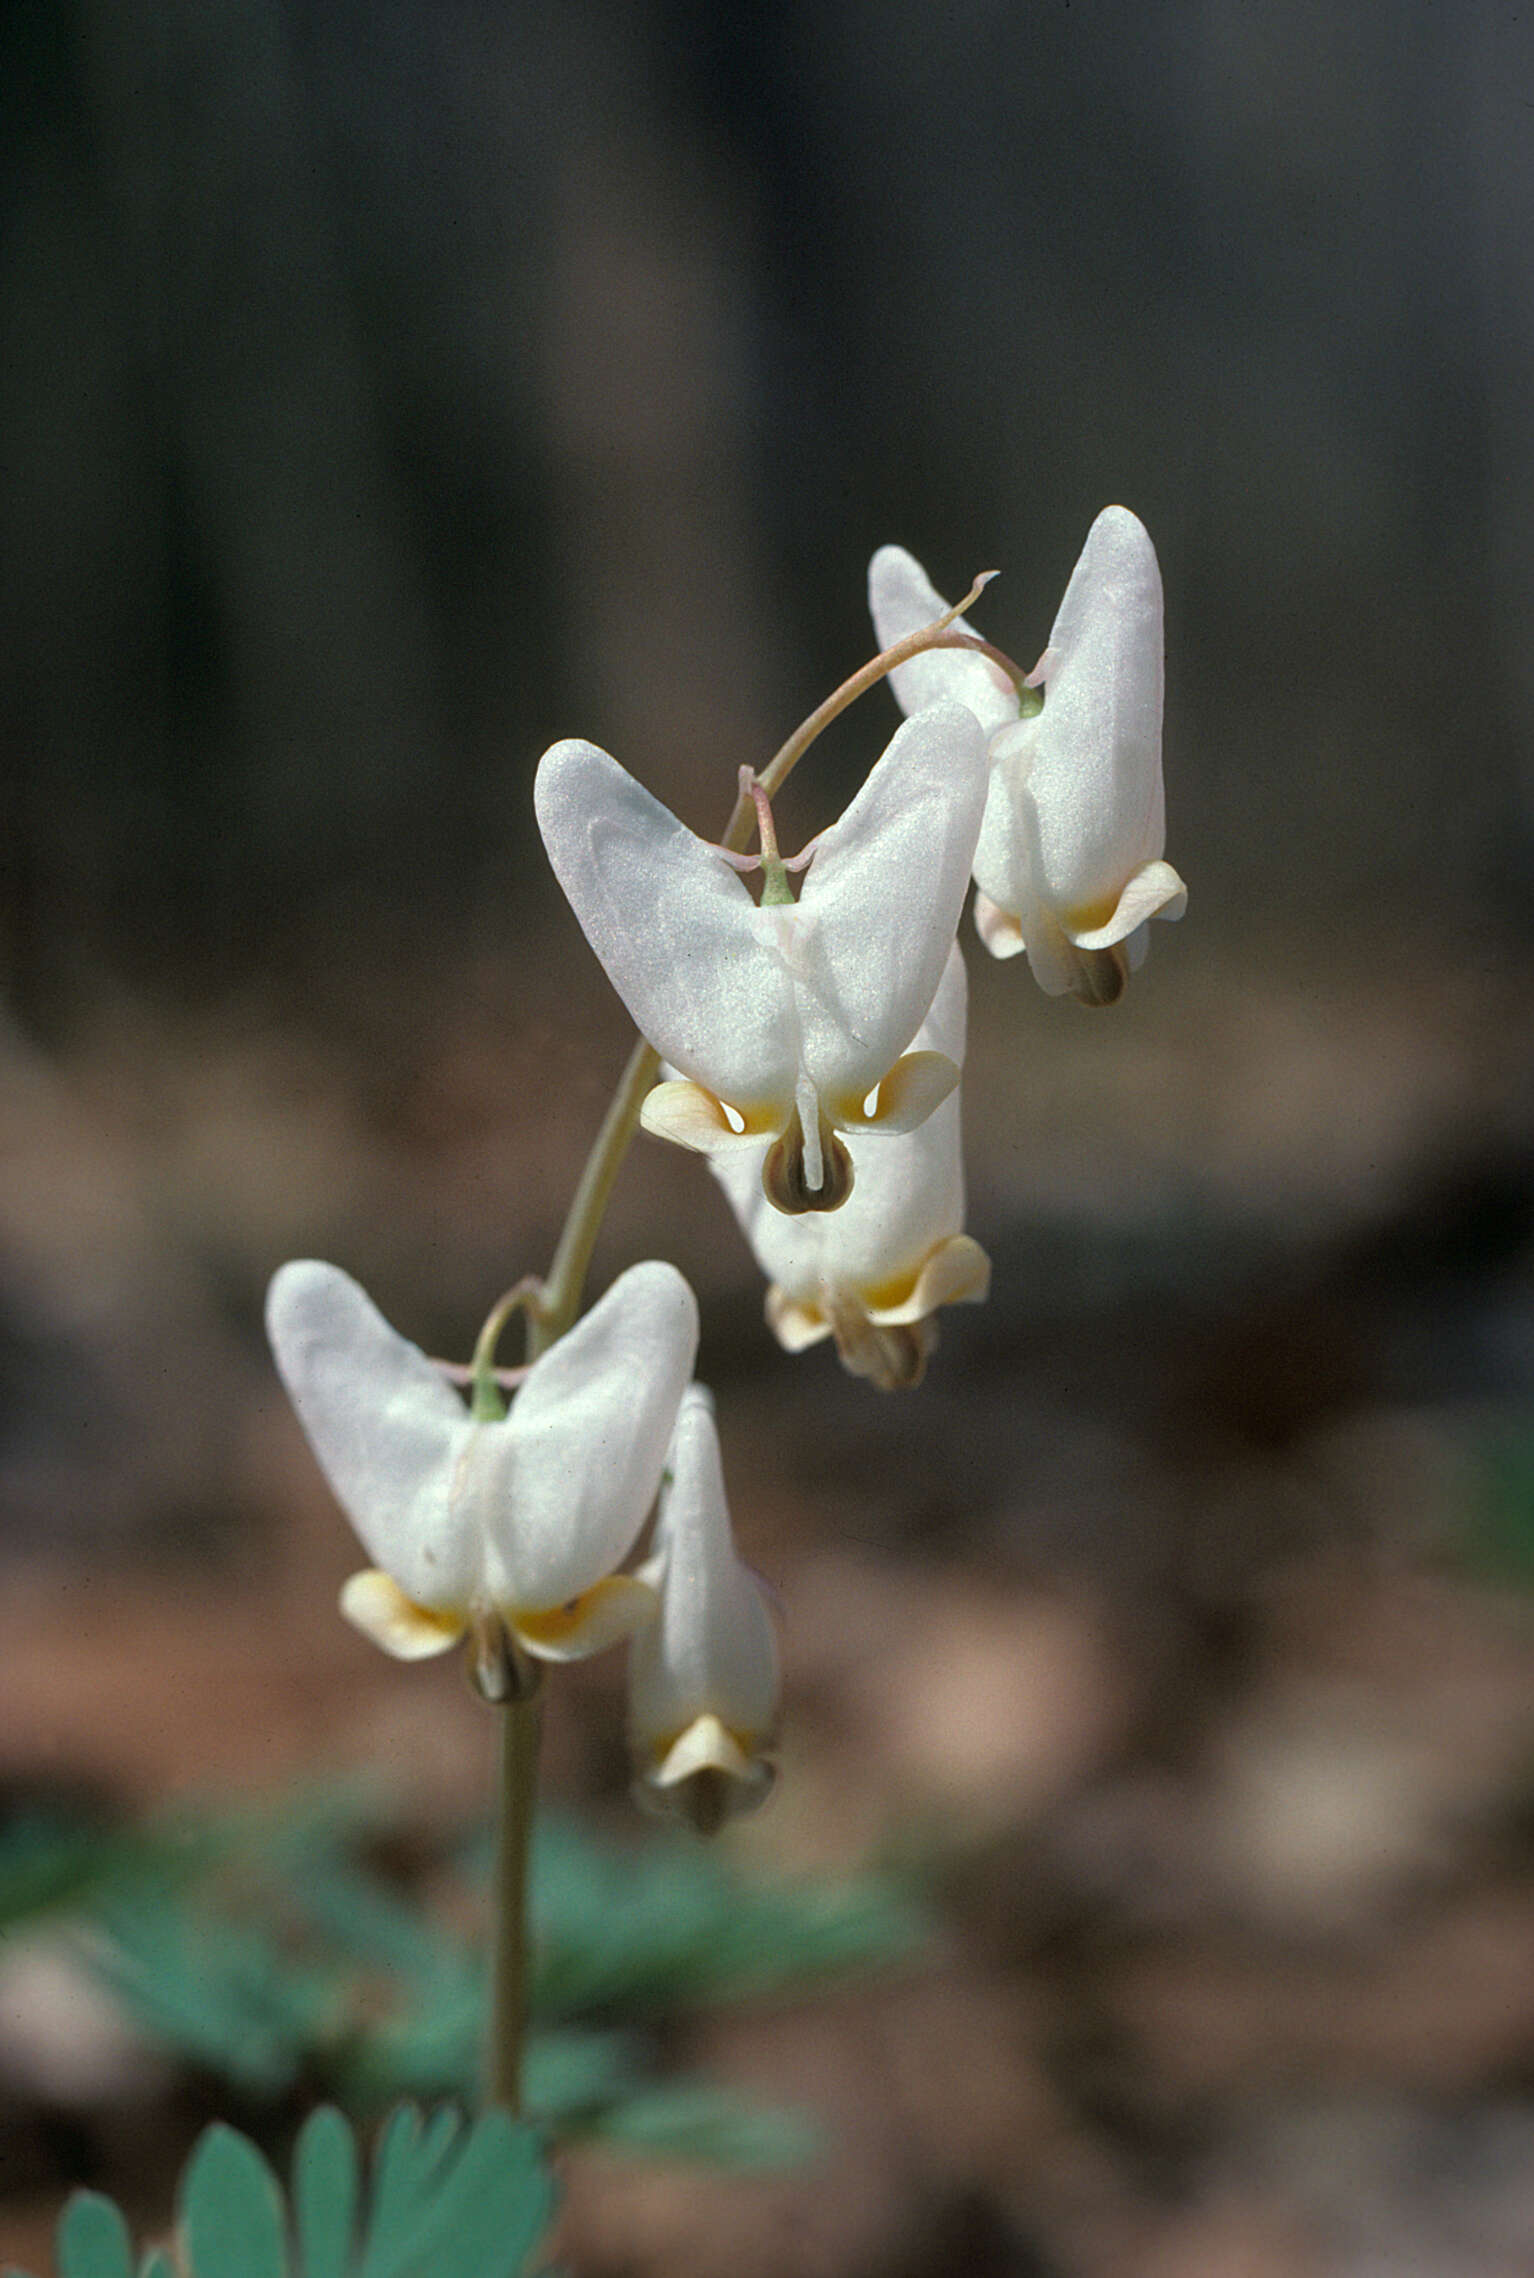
x: 516, y: 1786
x: 549, y: 1314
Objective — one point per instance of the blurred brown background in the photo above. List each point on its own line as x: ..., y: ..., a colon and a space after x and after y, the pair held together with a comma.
x: 389, y: 391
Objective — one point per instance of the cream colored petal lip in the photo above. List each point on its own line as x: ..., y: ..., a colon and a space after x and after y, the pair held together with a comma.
x: 604, y: 1615
x: 958, y: 1272
x: 705, y: 1746
x: 691, y: 1117
x: 916, y: 1085
x: 998, y: 929
x: 1154, y: 891
x: 795, y: 1324
x: 377, y: 1606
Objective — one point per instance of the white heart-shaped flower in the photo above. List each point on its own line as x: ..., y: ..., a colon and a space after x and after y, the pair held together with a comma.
x: 526, y: 1518
x: 787, y: 1021
x: 1069, y: 863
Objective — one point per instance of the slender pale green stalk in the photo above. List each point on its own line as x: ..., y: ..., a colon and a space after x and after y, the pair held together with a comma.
x: 567, y: 1275
x: 551, y: 1310
x: 787, y: 757
x: 520, y: 1723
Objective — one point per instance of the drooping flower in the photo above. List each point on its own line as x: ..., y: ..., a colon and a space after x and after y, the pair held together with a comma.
x: 525, y: 1519
x: 1069, y: 863
x: 703, y: 1674
x: 791, y: 1021
x: 873, y: 1274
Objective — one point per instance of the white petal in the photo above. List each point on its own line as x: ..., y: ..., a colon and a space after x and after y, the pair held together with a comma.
x: 710, y: 1650
x: 674, y: 927
x: 1093, y: 766
x: 881, y: 903
x: 389, y: 1433
x: 907, y: 1199
x: 902, y: 600
x: 589, y: 1432
x: 1007, y: 850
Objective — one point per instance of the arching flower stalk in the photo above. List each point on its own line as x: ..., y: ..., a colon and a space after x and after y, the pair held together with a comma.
x: 1069, y: 863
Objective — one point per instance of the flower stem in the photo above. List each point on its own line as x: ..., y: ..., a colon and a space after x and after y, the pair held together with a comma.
x: 520, y: 1721
x: 567, y: 1275
x: 560, y: 1299
x: 783, y: 762
x: 551, y: 1309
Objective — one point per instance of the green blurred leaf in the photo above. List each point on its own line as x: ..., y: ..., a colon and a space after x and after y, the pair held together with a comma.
x: 232, y: 2211
x: 669, y: 1924
x: 93, y: 2239
x: 325, y: 2193
x: 477, y: 2205
x: 223, y: 1992
x: 689, y: 2120
x: 449, y: 2200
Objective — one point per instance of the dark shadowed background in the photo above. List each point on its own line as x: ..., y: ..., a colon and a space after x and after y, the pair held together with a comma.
x: 388, y: 391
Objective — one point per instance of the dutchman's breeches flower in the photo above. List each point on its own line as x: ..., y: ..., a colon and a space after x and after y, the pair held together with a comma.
x: 703, y: 1674
x: 873, y: 1274
x: 786, y: 1021
x: 522, y: 1521
x: 1069, y: 861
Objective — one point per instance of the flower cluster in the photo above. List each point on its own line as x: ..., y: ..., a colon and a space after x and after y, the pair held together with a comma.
x: 813, y: 1044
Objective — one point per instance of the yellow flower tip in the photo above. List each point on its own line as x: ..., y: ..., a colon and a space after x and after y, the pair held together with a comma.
x: 376, y: 1605
x: 795, y: 1323
x: 957, y: 1272
x: 604, y: 1615
x: 707, y: 1776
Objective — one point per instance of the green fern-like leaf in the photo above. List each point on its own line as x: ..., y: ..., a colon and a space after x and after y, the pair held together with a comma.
x: 232, y: 2211
x: 450, y: 2199
x: 327, y: 2189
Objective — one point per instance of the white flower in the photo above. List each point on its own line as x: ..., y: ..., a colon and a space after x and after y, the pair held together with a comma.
x: 786, y: 1022
x: 873, y: 1274
x: 525, y: 1519
x: 1069, y: 861
x: 703, y: 1675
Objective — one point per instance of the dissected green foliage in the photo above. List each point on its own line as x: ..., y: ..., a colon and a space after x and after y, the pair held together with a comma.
x: 271, y: 1949
x: 450, y: 2198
